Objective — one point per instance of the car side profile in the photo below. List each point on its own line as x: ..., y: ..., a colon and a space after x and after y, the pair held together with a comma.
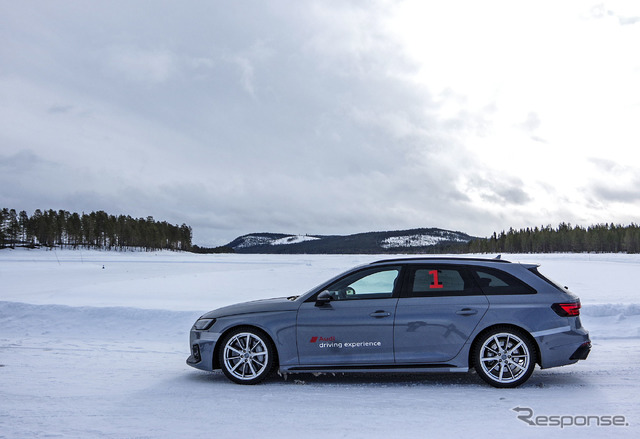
x: 412, y: 315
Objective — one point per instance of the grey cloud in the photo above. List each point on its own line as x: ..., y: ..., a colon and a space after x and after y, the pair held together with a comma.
x: 628, y: 20
x: 153, y: 66
x: 532, y: 123
x: 614, y: 182
x: 499, y: 190
x: 608, y: 193
x: 509, y: 195
x: 538, y: 139
x: 600, y: 11
x: 18, y: 161
x: 60, y: 109
x: 605, y: 165
x: 514, y: 195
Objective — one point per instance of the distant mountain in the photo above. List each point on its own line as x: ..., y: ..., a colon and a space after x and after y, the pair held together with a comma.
x: 399, y: 241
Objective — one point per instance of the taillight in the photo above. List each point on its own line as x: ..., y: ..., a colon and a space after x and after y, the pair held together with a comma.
x: 567, y: 309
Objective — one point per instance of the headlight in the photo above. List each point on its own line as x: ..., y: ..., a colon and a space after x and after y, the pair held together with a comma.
x: 204, y: 324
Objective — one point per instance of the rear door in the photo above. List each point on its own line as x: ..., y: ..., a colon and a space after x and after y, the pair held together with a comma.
x: 438, y: 310
x: 356, y: 326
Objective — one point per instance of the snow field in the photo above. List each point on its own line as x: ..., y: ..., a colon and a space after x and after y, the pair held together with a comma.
x: 90, y: 352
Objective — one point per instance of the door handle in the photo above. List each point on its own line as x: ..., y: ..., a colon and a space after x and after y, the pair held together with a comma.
x: 467, y: 312
x: 380, y: 313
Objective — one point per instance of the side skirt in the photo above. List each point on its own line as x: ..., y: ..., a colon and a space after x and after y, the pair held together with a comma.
x: 382, y: 368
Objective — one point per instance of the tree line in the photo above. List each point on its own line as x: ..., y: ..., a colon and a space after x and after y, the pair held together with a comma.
x: 600, y: 238
x: 98, y: 230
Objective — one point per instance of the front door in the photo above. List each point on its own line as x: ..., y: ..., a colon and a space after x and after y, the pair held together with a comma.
x: 356, y: 326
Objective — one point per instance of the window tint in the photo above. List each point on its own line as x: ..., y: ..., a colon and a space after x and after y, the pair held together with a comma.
x: 495, y: 282
x: 441, y: 281
x: 547, y: 280
x: 368, y: 284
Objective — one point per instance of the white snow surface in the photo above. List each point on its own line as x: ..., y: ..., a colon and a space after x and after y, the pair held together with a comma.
x: 93, y: 352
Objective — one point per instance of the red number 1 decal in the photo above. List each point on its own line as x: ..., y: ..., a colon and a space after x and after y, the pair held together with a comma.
x: 435, y: 283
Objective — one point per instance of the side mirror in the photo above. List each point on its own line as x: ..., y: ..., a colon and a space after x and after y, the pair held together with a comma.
x: 323, y: 298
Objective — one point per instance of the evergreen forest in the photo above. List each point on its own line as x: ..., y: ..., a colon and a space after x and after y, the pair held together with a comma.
x: 96, y: 230
x: 600, y: 238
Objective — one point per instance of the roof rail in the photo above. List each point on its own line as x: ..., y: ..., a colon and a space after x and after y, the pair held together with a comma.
x: 445, y: 258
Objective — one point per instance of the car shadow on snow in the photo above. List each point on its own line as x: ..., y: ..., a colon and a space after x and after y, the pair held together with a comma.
x: 337, y: 379
x: 386, y: 379
x: 559, y: 378
x: 540, y: 379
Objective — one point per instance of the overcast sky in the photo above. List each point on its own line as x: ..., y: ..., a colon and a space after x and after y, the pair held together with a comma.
x: 323, y: 117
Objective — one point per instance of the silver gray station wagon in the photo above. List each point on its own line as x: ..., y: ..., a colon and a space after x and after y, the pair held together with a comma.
x: 395, y: 315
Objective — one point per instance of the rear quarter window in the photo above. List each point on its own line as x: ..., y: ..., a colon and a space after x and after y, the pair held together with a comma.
x: 496, y: 282
x: 547, y: 280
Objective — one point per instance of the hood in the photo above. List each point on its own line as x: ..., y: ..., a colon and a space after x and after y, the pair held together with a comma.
x: 265, y: 305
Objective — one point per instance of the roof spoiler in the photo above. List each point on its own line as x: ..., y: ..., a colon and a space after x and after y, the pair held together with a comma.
x: 436, y: 258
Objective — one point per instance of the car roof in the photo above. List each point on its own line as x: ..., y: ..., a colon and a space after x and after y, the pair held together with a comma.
x: 439, y: 259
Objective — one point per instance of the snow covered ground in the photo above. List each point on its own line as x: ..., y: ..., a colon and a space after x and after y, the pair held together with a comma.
x: 87, y: 351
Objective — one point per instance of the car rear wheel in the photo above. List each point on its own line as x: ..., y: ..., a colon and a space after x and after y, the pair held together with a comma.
x: 247, y: 356
x: 504, y: 357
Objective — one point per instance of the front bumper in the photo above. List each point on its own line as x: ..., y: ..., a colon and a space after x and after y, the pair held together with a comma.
x: 202, y: 348
x: 195, y: 356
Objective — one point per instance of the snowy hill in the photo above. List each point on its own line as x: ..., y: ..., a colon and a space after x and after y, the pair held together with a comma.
x: 403, y: 241
x: 261, y: 239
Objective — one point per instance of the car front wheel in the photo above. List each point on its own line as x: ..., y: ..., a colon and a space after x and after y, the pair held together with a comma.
x: 504, y: 357
x: 246, y: 356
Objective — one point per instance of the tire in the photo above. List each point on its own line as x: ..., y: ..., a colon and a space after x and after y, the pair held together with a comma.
x: 504, y: 357
x: 246, y: 356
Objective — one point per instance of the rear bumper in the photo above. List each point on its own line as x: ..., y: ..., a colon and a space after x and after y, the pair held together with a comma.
x: 561, y: 349
x: 582, y: 352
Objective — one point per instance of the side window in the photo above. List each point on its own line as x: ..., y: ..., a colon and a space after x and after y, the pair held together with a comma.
x: 368, y: 284
x: 434, y: 281
x: 495, y: 282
